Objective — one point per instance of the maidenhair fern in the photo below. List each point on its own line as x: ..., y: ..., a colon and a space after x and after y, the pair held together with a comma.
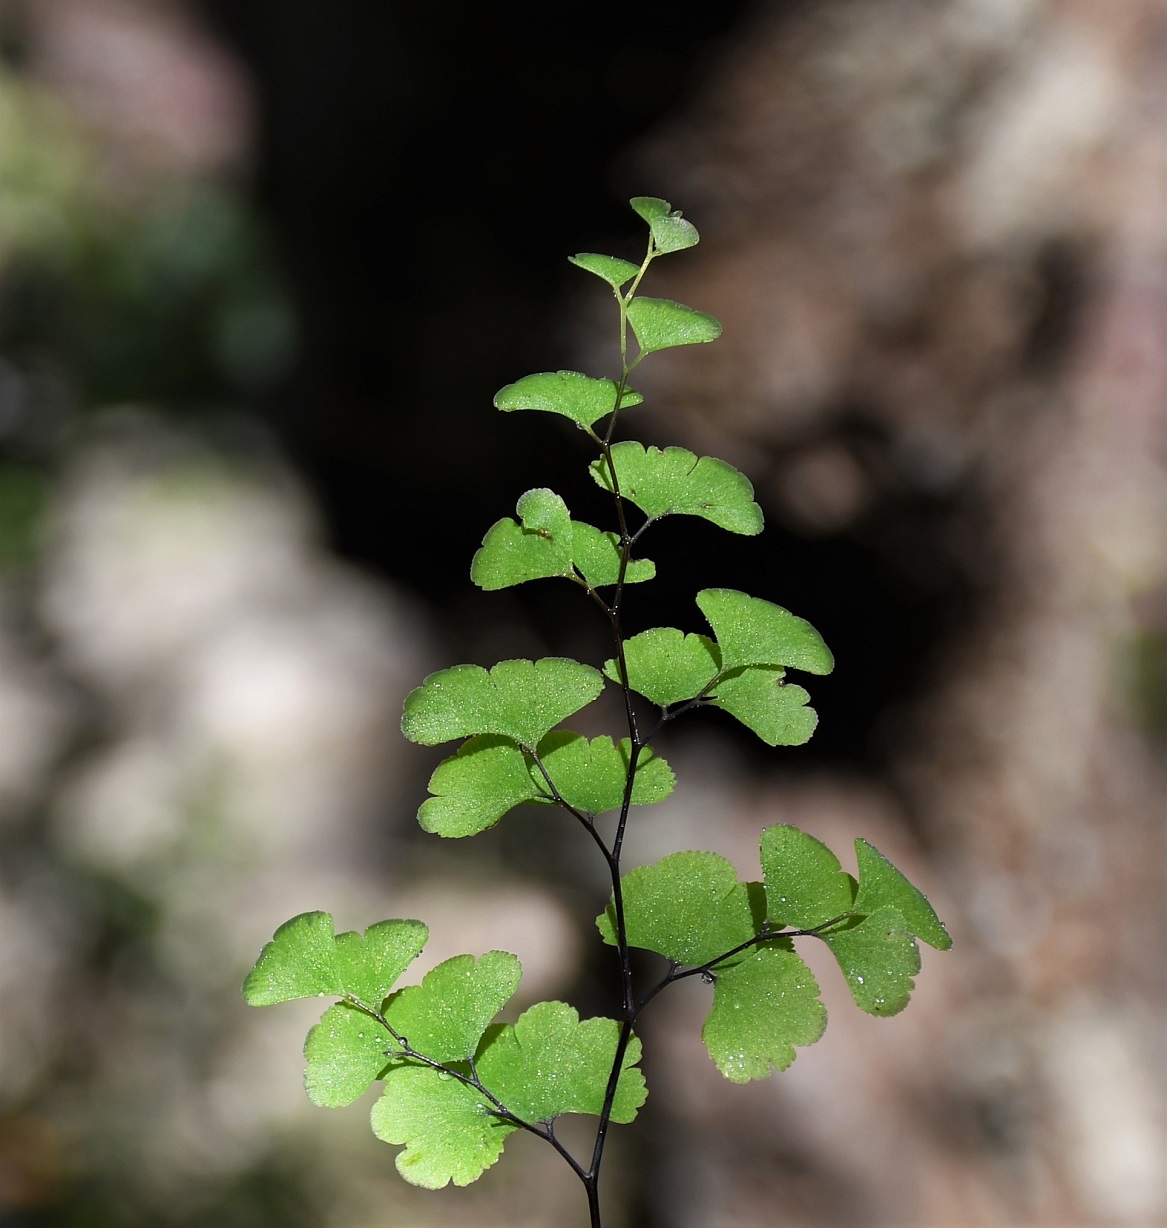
x: 455, y: 1083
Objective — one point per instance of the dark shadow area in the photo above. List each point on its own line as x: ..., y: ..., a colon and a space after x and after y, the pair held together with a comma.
x: 427, y: 173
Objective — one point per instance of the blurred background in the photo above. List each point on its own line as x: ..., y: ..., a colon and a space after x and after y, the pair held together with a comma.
x: 262, y: 268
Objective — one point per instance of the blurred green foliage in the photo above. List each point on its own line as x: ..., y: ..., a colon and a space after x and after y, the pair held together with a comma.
x: 23, y: 502
x: 129, y: 282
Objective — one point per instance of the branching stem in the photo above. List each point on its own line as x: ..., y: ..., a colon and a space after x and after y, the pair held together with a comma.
x: 471, y: 1080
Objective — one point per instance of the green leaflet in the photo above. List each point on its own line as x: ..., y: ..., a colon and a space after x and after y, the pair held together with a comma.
x: 751, y: 631
x: 591, y: 775
x: 676, y: 482
x: 670, y: 231
x: 545, y: 543
x: 650, y: 207
x: 774, y: 710
x: 445, y: 1016
x: 805, y: 885
x: 345, y: 1053
x: 666, y: 665
x: 763, y: 1005
x: 521, y: 700
x: 688, y: 907
x: 537, y: 548
x: 596, y: 556
x: 579, y: 397
x: 875, y: 943
x: 659, y: 324
x: 880, y: 883
x: 613, y: 270
x: 551, y: 1063
x: 490, y: 775
x: 448, y: 1131
x: 673, y: 233
x: 305, y: 960
x: 879, y: 958
x: 473, y: 789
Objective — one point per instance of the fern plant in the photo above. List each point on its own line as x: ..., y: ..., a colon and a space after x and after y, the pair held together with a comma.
x: 456, y: 1084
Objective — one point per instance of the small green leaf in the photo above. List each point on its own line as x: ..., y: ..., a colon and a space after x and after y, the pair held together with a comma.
x: 551, y: 1063
x: 670, y: 231
x: 666, y: 665
x: 880, y: 883
x: 521, y: 700
x: 763, y: 1005
x: 368, y: 967
x: 591, y: 775
x: 775, y: 711
x: 676, y: 482
x: 447, y: 1128
x: 651, y: 207
x: 879, y: 958
x: 474, y: 788
x: 805, y: 886
x: 751, y: 631
x: 613, y: 270
x: 596, y: 556
x: 673, y: 233
x: 689, y: 907
x: 539, y: 547
x: 346, y: 1052
x: 659, y: 324
x: 444, y: 1017
x: 305, y: 960
x: 299, y: 962
x: 579, y: 397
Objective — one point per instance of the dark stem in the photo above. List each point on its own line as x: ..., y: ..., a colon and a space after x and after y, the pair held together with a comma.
x: 709, y: 967
x: 621, y: 927
x: 591, y: 1178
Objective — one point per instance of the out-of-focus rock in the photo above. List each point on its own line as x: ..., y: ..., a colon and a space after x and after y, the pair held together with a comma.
x: 940, y: 229
x: 149, y: 77
x: 235, y: 759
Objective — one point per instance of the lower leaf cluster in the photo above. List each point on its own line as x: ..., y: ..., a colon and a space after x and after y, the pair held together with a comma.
x: 455, y: 1084
x: 453, y: 1121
